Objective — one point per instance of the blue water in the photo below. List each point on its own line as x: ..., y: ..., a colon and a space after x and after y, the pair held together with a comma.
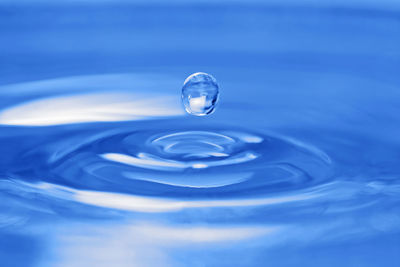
x: 297, y: 166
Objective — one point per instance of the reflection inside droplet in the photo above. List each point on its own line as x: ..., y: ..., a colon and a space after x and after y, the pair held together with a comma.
x: 200, y: 94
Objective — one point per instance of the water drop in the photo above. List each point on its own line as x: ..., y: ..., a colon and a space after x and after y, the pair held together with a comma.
x: 200, y: 94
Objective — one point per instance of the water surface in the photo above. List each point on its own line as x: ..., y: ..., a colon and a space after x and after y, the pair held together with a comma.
x: 100, y: 164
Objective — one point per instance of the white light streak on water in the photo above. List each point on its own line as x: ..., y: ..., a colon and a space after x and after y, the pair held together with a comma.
x: 90, y: 108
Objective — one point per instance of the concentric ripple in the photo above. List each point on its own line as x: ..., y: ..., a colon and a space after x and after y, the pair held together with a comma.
x: 185, y: 162
x: 140, y: 145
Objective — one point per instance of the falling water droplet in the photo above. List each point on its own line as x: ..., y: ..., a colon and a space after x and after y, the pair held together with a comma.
x: 200, y: 94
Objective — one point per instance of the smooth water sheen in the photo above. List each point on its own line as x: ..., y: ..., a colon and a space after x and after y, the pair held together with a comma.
x: 101, y: 166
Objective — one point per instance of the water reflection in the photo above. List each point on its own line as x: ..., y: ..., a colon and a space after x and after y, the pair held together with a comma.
x: 145, y: 243
x: 93, y: 107
x: 157, y: 204
x: 311, y: 92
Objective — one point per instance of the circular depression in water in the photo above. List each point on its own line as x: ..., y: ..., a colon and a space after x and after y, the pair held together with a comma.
x: 187, y: 161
